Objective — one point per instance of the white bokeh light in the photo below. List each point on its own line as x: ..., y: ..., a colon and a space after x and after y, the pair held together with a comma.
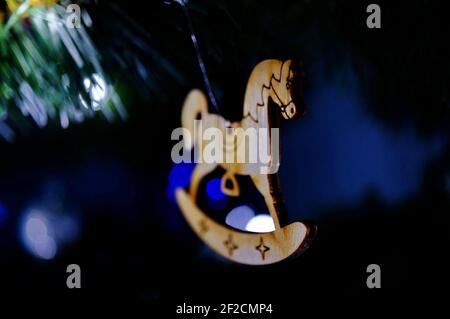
x: 239, y: 217
x: 44, y: 232
x: 262, y: 223
x: 97, y: 90
x: 37, y: 235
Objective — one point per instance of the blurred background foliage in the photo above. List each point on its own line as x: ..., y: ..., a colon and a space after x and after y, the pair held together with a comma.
x: 400, y: 67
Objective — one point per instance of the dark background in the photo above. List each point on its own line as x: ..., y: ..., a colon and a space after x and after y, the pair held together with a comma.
x: 369, y: 163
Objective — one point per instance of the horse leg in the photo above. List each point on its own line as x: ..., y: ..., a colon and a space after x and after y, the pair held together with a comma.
x: 267, y: 186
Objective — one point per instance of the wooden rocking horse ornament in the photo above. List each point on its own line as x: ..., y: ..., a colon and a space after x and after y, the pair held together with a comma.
x: 270, y: 80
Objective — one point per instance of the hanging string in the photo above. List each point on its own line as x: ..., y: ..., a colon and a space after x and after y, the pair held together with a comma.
x: 199, y: 56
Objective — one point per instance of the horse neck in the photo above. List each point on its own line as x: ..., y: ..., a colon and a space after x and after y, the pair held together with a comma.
x: 259, y: 87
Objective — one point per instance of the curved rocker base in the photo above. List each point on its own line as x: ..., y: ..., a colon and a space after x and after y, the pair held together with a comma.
x: 244, y: 247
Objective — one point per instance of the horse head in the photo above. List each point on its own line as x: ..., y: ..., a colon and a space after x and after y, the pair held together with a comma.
x: 286, y: 90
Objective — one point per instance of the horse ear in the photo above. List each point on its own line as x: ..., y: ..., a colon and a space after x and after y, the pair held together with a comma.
x: 297, y: 87
x: 287, y: 66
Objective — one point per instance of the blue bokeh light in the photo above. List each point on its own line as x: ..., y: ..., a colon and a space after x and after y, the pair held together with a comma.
x: 3, y: 213
x: 213, y: 189
x: 179, y: 176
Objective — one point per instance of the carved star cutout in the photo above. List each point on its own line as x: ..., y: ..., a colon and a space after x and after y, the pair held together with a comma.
x: 263, y: 249
x: 230, y: 245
